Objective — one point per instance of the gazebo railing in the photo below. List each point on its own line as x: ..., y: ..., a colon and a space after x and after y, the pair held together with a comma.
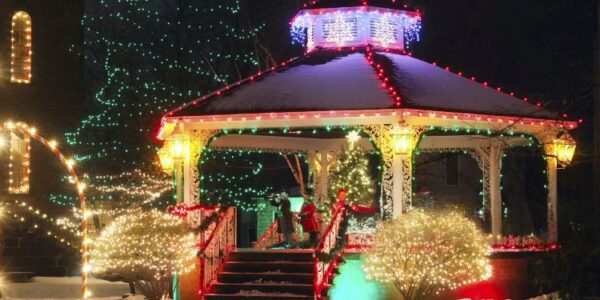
x: 272, y: 237
x: 324, y: 269
x: 221, y: 241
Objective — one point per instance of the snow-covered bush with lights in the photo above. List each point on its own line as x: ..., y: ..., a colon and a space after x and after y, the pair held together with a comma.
x: 424, y: 253
x: 145, y: 249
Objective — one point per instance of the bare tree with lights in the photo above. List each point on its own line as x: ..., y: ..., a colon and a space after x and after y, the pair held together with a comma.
x: 144, y: 249
x: 424, y: 253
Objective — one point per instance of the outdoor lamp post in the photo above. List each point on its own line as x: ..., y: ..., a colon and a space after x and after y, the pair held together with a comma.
x: 402, y: 139
x: 166, y: 161
x: 564, y: 150
x: 174, y: 151
x: 173, y: 157
x: 178, y: 146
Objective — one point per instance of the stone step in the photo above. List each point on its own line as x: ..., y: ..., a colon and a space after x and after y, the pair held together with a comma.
x: 272, y: 255
x: 240, y: 277
x: 265, y: 287
x: 268, y: 266
x: 257, y: 297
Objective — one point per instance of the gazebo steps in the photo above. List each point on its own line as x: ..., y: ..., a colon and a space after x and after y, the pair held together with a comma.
x: 257, y: 296
x: 266, y: 274
x: 271, y: 255
x: 268, y: 266
x: 241, y: 277
x: 265, y: 287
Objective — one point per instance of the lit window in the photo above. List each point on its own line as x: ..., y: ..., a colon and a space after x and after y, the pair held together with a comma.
x: 20, y: 63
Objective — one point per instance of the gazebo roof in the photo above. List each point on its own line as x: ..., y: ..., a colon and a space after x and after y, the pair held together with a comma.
x: 327, y: 80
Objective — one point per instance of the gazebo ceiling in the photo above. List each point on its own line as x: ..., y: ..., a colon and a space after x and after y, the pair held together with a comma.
x: 327, y: 80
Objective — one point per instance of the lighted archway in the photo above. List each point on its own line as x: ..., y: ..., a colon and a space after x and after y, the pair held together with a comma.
x: 21, y: 50
x: 30, y: 132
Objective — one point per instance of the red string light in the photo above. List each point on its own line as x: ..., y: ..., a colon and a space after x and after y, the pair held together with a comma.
x: 381, y: 74
x: 24, y: 129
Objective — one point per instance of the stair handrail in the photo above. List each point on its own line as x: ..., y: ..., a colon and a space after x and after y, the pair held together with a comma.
x: 322, y: 269
x: 222, y: 240
x: 272, y: 235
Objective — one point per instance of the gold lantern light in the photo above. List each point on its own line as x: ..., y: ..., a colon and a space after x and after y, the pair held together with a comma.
x: 178, y: 146
x: 402, y: 139
x: 564, y: 150
x: 175, y: 150
x: 166, y: 161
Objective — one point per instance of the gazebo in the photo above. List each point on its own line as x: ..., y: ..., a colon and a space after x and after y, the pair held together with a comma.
x: 357, y: 74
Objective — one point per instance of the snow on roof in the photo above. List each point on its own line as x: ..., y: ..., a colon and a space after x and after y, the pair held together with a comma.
x: 336, y: 80
x: 424, y: 85
x: 318, y: 83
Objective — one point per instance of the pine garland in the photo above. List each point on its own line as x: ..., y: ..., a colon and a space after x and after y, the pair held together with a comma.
x: 205, y: 224
x: 340, y: 242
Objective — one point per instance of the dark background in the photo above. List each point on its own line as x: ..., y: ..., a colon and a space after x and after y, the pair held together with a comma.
x: 540, y: 49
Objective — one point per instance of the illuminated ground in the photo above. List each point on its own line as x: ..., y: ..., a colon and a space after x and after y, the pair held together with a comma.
x: 352, y: 283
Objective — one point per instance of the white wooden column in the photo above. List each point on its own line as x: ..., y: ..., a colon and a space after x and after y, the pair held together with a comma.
x: 552, y: 198
x: 181, y: 184
x: 191, y: 173
x: 495, y: 155
x: 186, y: 181
x: 319, y: 164
x: 324, y: 176
x: 490, y: 162
x: 397, y: 185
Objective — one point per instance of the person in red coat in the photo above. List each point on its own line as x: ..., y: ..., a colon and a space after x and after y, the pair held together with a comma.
x: 341, y: 199
x: 309, y: 221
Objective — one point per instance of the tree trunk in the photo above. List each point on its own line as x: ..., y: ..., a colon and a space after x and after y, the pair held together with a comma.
x: 596, y: 167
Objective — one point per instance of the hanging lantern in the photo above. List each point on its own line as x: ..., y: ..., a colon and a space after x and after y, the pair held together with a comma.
x: 402, y: 139
x: 178, y: 145
x: 175, y: 150
x: 564, y: 150
x: 166, y: 161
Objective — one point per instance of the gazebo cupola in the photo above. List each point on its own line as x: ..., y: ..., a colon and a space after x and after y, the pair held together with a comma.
x: 355, y: 26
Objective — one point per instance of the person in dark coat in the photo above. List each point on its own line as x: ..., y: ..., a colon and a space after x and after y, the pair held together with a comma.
x: 285, y: 218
